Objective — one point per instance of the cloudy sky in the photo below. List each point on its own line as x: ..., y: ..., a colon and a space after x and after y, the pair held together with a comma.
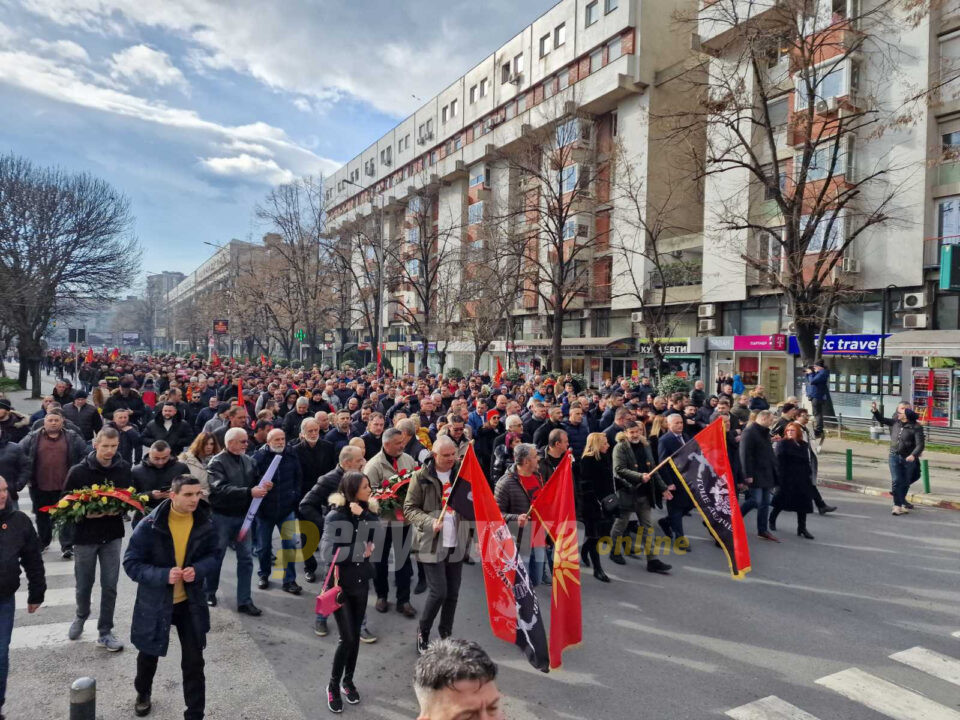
x: 194, y: 108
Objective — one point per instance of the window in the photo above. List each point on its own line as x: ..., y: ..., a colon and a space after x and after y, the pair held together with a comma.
x: 567, y: 133
x: 610, y: 5
x: 475, y: 213
x: 828, y: 235
x: 820, y: 163
x: 478, y: 179
x: 457, y: 142
x: 569, y: 229
x: 592, y: 14
x: 453, y: 108
x: 487, y: 177
x: 413, y: 235
x: 413, y: 268
x: 430, y: 126
x: 386, y: 156
x: 563, y: 80
x: 770, y: 193
x: 473, y: 94
x: 550, y: 87
x: 433, y: 157
x: 545, y: 45
x: 559, y: 35
x: 483, y: 88
x: 521, y: 103
x: 413, y: 207
x: 777, y: 111
x: 770, y: 251
x: 829, y: 82
x: 777, y: 51
x: 510, y: 111
x: 505, y: 73
x: 518, y: 64
x: 613, y: 49
x: 948, y: 219
x: 444, y: 112
x: 596, y: 60
x: 568, y: 178
x: 950, y: 145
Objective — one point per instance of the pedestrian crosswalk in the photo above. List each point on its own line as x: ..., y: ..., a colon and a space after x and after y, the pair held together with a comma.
x: 882, y: 696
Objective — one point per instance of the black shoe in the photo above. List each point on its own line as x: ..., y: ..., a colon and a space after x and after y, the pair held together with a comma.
x: 584, y: 560
x: 469, y: 560
x: 423, y: 641
x: 407, y: 610
x: 212, y: 600
x: 250, y: 609
x: 350, y: 693
x: 824, y: 509
x: 772, y: 522
x: 658, y: 566
x: 67, y: 554
x: 618, y: 559
x: 382, y: 605
x: 600, y: 575
x: 141, y: 708
x: 665, y: 528
x: 310, y: 577
x: 421, y: 587
x: 804, y: 534
x: 292, y: 588
x: 333, y: 699
x: 263, y: 583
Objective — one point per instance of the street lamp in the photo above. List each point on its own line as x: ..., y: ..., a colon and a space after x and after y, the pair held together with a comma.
x: 381, y: 257
x: 883, y: 335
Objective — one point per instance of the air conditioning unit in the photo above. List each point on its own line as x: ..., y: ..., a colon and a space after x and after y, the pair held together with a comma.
x: 916, y: 320
x: 821, y: 106
x: 515, y: 78
x: 707, y: 310
x: 912, y: 301
x: 423, y: 139
x: 851, y: 265
x: 706, y: 326
x: 636, y: 317
x: 831, y: 104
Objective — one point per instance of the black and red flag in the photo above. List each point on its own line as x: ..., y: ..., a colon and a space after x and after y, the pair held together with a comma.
x: 703, y: 469
x: 513, y: 608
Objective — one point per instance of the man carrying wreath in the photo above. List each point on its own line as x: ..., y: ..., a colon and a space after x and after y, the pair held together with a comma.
x: 98, y: 537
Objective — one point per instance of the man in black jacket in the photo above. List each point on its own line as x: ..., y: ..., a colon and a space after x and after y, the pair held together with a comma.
x: 233, y: 485
x: 907, y: 441
x: 13, y: 466
x: 19, y: 546
x: 372, y: 442
x: 760, y: 470
x: 84, y: 415
x: 316, y: 458
x: 554, y: 422
x: 170, y: 428
x: 125, y: 396
x: 98, y: 538
x: 154, y: 476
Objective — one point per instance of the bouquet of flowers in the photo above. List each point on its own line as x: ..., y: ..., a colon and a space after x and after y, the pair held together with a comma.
x: 94, y: 501
x: 391, y: 494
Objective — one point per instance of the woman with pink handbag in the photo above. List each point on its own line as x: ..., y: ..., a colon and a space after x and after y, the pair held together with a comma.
x: 347, y: 532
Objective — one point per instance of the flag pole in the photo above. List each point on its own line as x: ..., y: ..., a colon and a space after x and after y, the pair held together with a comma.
x: 453, y: 484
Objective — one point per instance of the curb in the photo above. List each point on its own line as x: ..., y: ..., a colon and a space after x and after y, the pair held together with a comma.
x: 917, y: 499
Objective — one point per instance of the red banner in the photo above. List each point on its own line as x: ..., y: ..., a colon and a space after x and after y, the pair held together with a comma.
x: 499, y: 373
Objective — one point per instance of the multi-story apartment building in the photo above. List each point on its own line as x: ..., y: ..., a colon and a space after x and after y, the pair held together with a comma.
x: 606, y: 68
x: 158, y: 285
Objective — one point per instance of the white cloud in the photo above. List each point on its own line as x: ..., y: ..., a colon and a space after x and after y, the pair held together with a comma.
x: 6, y: 35
x: 66, y: 49
x: 303, y: 105
x: 143, y: 64
x: 248, y: 167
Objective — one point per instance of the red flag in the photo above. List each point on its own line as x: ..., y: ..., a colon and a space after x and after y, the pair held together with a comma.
x: 379, y: 360
x: 240, y: 391
x: 554, y: 507
x: 89, y: 358
x: 263, y: 359
x: 214, y: 359
x: 703, y: 469
x: 513, y: 607
x: 499, y: 373
x: 73, y: 347
x: 114, y: 354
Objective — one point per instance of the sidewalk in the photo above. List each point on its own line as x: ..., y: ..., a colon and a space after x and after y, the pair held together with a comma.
x: 871, y: 475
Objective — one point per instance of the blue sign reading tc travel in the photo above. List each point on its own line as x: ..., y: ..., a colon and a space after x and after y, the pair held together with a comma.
x: 843, y: 345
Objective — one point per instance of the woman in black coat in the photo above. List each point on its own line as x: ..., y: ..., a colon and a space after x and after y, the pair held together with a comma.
x: 351, y: 509
x: 596, y: 483
x: 796, y: 486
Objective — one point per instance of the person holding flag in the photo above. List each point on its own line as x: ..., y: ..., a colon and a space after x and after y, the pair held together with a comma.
x: 440, y: 537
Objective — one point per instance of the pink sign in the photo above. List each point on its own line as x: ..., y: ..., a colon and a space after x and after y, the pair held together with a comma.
x: 760, y: 342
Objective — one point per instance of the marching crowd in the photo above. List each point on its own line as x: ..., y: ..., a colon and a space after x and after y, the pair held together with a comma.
x: 196, y: 439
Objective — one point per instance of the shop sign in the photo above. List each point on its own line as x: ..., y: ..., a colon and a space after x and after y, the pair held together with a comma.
x: 668, y: 346
x: 775, y: 342
x: 221, y: 327
x: 866, y: 345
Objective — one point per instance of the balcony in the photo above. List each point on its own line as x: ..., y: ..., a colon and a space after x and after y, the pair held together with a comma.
x: 678, y: 274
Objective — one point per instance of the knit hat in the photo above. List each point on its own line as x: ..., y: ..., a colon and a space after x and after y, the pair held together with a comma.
x: 491, y: 413
x: 5, y: 404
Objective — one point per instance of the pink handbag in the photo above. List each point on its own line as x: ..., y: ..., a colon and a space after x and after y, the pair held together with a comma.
x: 328, y: 601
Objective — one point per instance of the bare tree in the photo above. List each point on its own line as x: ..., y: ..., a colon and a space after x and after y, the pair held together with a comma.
x: 788, y: 75
x: 65, y: 245
x: 360, y: 262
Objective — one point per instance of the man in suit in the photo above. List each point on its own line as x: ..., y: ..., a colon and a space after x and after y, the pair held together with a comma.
x: 760, y: 470
x: 671, y: 441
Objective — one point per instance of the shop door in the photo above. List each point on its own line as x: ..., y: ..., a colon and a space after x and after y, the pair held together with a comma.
x: 774, y: 378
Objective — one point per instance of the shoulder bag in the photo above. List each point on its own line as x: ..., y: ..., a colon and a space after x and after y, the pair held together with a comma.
x: 328, y: 601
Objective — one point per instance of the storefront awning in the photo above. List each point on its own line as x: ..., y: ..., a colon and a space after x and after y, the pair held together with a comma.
x: 925, y: 343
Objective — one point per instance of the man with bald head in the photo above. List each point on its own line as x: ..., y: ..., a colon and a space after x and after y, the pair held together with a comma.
x: 440, y: 538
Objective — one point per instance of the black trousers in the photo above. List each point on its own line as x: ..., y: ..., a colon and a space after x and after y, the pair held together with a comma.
x: 443, y: 591
x: 403, y: 568
x: 191, y: 663
x: 42, y: 498
x: 349, y: 620
x: 309, y: 563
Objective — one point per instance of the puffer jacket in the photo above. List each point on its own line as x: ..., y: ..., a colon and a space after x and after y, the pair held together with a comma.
x: 354, y: 570
x: 19, y: 545
x: 512, y: 499
x: 13, y: 466
x: 421, y: 507
x: 147, y: 477
x: 147, y: 561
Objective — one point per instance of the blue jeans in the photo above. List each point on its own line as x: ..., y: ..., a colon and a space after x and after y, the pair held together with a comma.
x: 901, y: 472
x: 758, y: 499
x: 227, y: 528
x: 264, y: 530
x: 538, y: 558
x: 7, y: 608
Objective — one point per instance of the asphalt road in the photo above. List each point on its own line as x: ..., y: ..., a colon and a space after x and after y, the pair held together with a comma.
x: 695, y: 644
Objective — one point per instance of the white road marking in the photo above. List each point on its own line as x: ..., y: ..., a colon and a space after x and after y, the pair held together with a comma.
x: 38, y: 636
x: 57, y: 567
x: 933, y: 663
x: 957, y: 634
x: 769, y: 708
x: 886, y: 698
x: 52, y: 598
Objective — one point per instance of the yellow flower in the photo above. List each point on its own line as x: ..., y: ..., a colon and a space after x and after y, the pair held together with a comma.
x: 144, y: 498
x: 63, y: 504
x: 53, y: 511
x: 94, y: 487
x: 131, y: 489
x: 76, y: 506
x: 103, y: 501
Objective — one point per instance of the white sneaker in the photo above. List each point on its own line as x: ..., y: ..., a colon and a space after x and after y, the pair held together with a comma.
x: 897, y: 510
x: 110, y: 643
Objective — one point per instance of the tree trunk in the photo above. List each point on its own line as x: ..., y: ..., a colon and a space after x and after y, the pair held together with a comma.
x: 806, y: 341
x: 30, y: 354
x: 556, y: 340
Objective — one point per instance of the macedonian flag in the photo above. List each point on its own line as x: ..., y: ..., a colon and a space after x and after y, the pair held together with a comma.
x: 556, y: 510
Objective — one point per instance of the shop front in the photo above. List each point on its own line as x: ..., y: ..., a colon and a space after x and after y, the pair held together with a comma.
x: 758, y: 359
x: 682, y: 356
x: 858, y: 373
x: 933, y: 373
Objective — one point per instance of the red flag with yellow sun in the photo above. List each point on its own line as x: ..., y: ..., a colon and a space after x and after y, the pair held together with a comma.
x: 554, y: 507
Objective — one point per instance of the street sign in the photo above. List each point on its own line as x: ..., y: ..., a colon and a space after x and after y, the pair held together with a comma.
x: 300, y: 335
x: 221, y: 327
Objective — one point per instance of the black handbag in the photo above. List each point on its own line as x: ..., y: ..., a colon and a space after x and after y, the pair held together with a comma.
x: 610, y: 503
